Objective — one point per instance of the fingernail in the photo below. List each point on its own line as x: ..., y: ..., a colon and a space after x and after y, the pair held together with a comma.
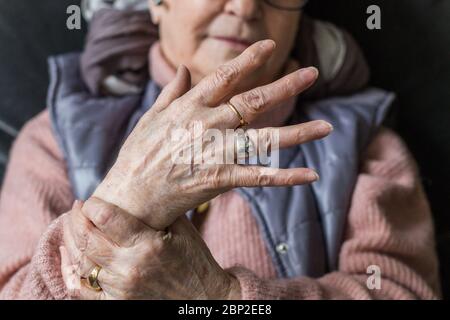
x: 75, y: 204
x: 328, y: 125
x: 267, y: 44
x: 314, y: 176
x: 309, y: 74
x: 78, y: 204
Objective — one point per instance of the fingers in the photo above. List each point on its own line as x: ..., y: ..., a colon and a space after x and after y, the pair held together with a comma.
x: 81, y: 264
x: 175, y: 89
x: 69, y: 274
x: 75, y: 285
x: 252, y: 103
x: 242, y: 144
x: 255, y: 176
x: 292, y: 135
x: 76, y: 265
x: 215, y: 87
x: 86, y: 241
x: 86, y: 293
x: 116, y: 224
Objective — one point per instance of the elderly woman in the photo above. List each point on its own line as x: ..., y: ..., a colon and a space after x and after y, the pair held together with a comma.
x: 147, y: 226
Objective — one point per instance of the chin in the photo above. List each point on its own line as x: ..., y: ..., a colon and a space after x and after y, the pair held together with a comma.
x: 221, y: 51
x: 210, y: 62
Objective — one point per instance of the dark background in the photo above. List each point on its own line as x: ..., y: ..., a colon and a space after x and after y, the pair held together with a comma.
x: 410, y: 55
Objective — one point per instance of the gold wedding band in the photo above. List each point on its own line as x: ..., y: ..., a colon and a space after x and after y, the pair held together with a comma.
x: 242, y: 122
x: 92, y: 279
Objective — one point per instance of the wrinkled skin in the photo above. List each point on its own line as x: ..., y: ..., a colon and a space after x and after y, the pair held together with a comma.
x: 145, y: 266
x: 190, y: 33
x: 150, y: 193
x: 147, y: 183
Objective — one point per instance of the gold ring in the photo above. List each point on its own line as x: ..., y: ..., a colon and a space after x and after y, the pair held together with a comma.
x: 92, y: 279
x: 242, y: 122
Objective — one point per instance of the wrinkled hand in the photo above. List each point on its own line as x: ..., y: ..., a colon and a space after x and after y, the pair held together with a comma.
x: 138, y: 262
x: 147, y: 183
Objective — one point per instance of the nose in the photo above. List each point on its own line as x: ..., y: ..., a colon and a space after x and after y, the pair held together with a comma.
x: 245, y: 9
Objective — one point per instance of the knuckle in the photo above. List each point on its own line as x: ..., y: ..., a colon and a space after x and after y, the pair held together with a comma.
x: 155, y: 248
x: 134, y: 277
x: 201, y: 178
x: 134, y: 239
x: 104, y: 215
x: 214, y: 178
x: 196, y: 177
x: 289, y: 88
x: 225, y: 74
x: 129, y: 279
x: 254, y: 100
x: 263, y: 180
x: 253, y: 57
x: 290, y: 180
x: 182, y: 102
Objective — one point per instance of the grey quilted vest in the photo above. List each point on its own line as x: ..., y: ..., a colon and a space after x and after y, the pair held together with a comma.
x: 302, y: 226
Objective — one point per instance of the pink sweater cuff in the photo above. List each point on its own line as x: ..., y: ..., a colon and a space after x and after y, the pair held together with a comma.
x: 41, y: 279
x: 251, y: 284
x: 256, y: 288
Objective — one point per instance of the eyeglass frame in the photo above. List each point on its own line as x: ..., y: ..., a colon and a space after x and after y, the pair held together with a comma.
x: 269, y: 3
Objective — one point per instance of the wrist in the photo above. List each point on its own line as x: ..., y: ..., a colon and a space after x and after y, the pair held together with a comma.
x: 117, y: 190
x: 124, y: 192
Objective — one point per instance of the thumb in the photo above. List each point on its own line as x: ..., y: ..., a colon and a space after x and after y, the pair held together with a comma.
x: 175, y: 89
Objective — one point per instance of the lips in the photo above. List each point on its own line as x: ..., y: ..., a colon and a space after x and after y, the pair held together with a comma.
x: 237, y: 42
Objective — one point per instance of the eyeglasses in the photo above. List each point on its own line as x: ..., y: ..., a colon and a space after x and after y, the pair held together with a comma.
x: 287, y: 5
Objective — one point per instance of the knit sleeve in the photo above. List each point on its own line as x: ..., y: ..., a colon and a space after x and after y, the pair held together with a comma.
x: 35, y: 193
x: 389, y: 233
